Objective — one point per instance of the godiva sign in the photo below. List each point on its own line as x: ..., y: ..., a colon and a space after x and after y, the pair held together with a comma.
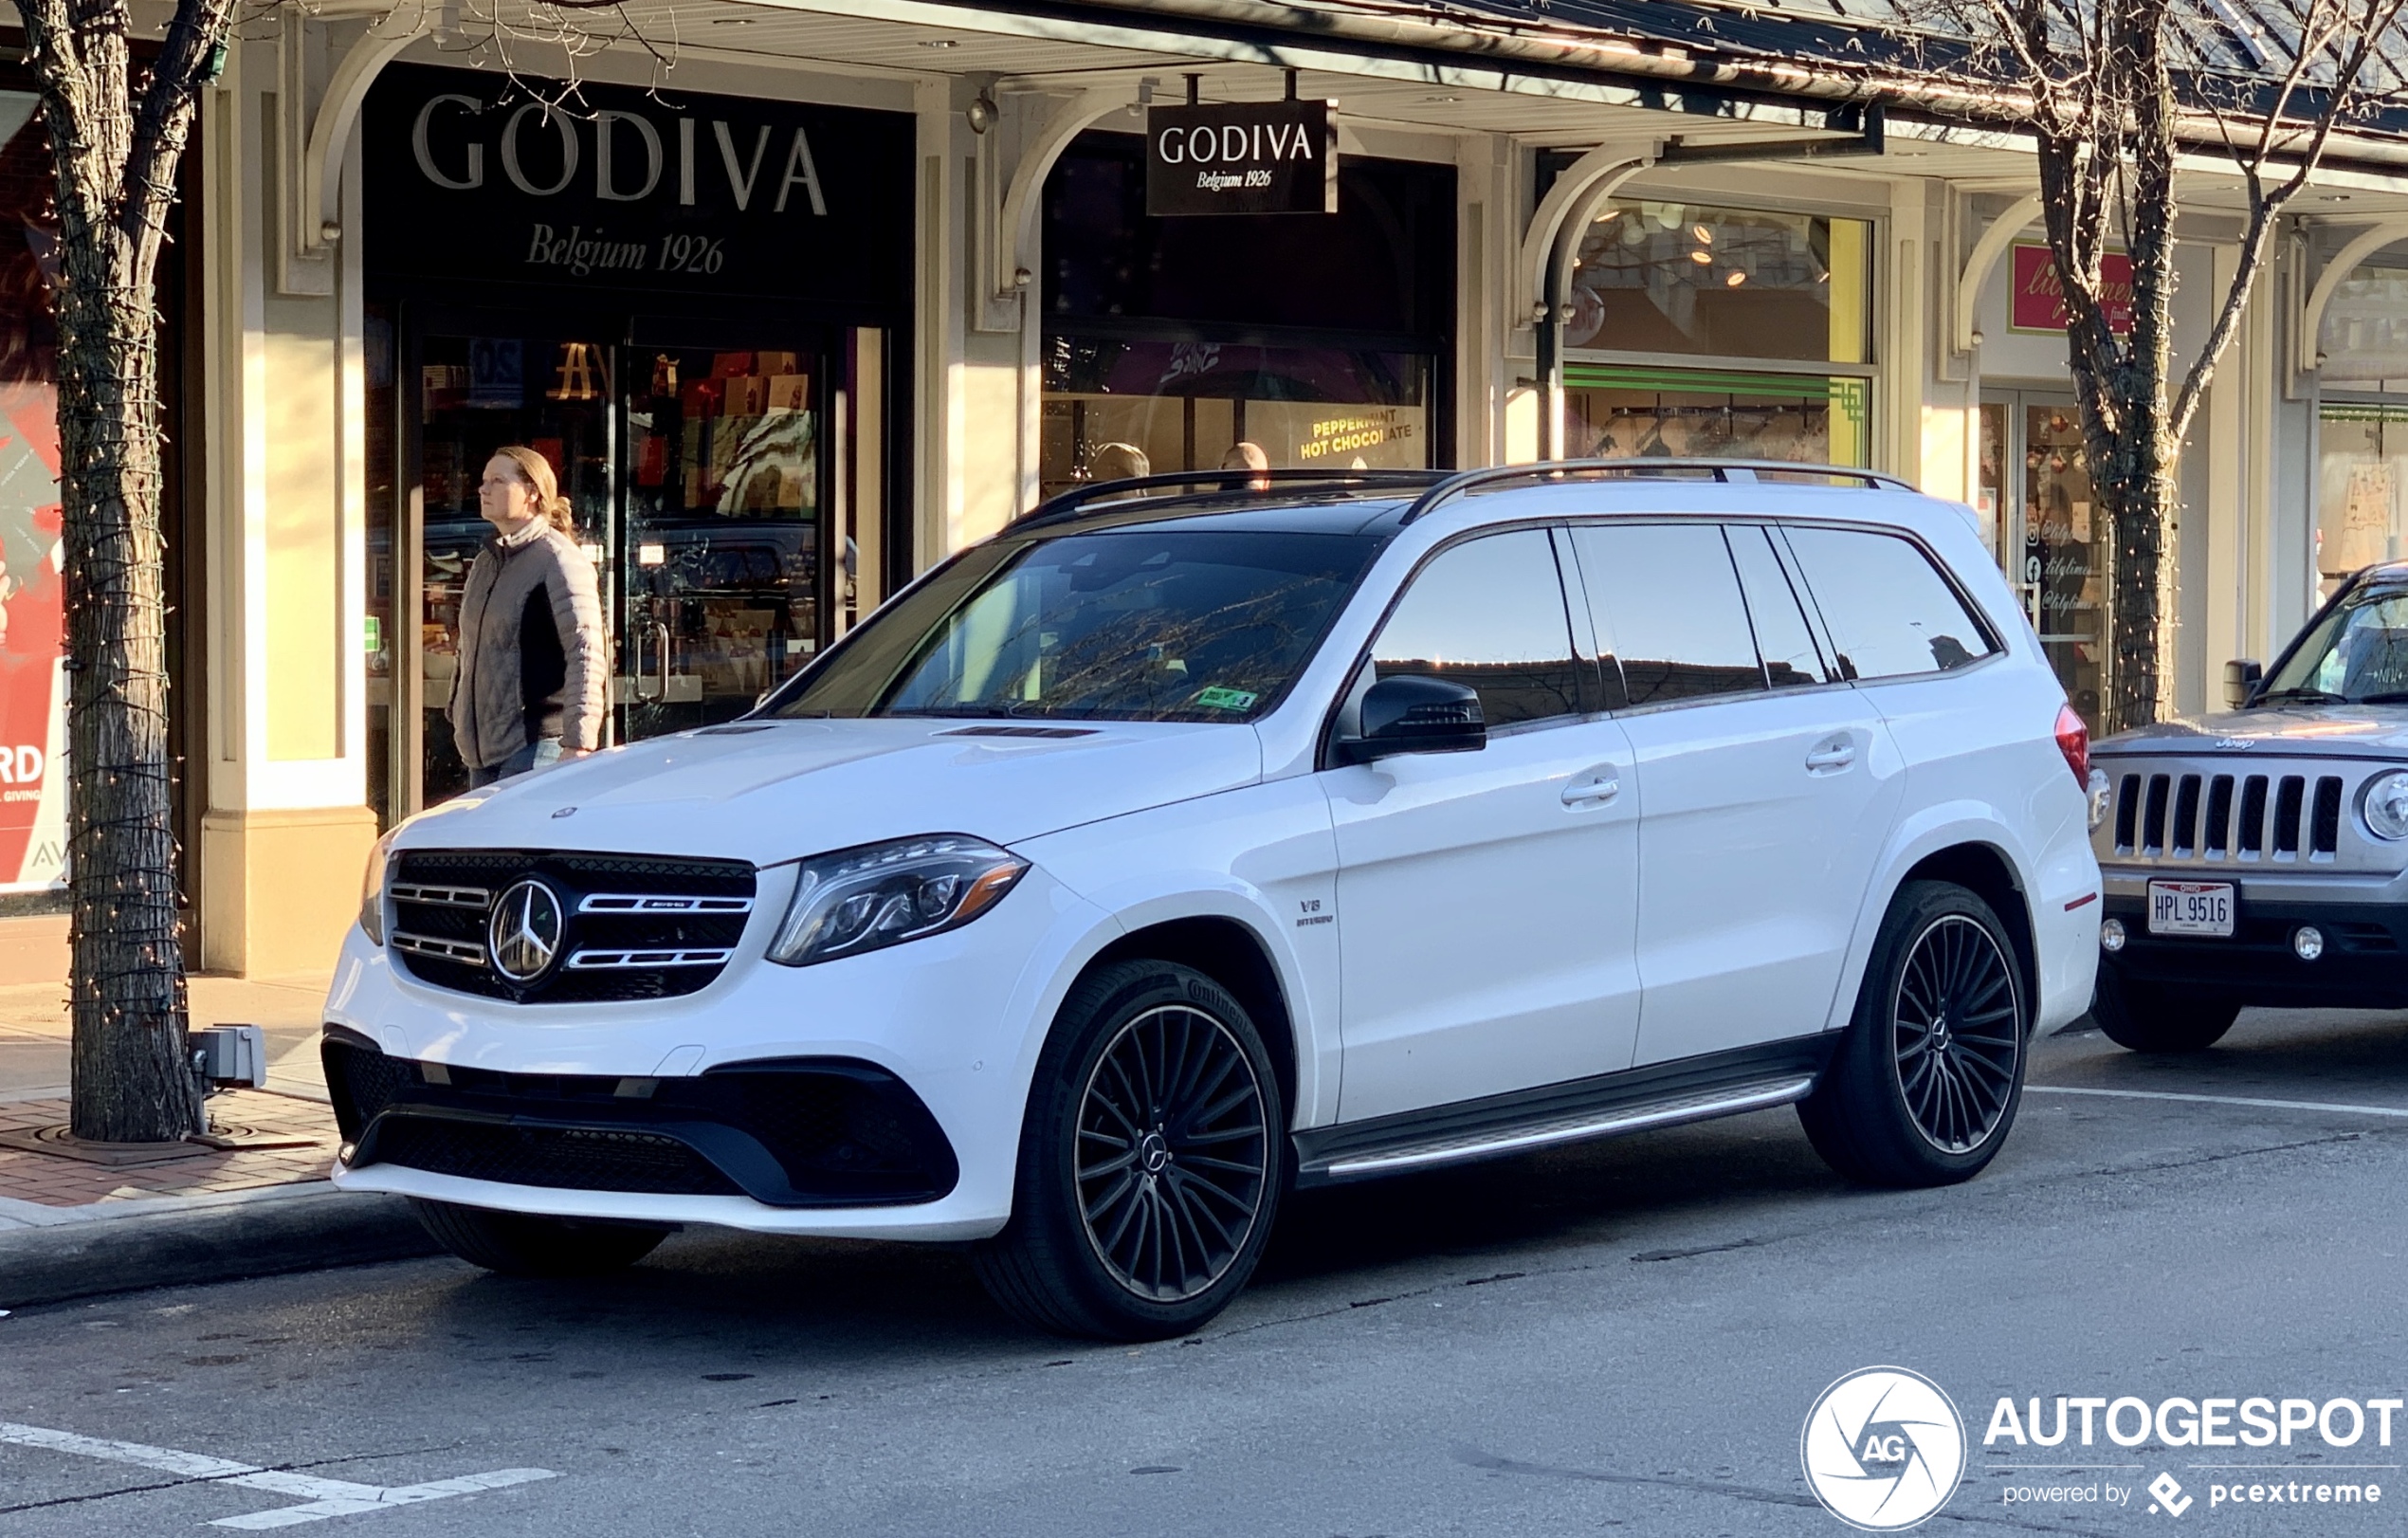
x: 1242, y: 157
x: 470, y: 178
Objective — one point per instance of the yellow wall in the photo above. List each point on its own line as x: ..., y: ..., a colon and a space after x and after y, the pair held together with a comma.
x: 304, y: 534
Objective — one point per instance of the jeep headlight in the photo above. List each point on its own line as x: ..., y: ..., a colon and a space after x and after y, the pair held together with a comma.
x: 2100, y: 792
x: 371, y: 890
x: 865, y: 899
x: 2386, y: 805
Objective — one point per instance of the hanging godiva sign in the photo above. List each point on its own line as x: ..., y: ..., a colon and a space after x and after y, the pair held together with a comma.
x: 471, y: 177
x: 1242, y: 157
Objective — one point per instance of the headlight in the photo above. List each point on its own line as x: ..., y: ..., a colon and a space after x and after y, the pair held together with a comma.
x: 866, y: 898
x: 2386, y: 805
x: 371, y: 890
x: 2102, y: 793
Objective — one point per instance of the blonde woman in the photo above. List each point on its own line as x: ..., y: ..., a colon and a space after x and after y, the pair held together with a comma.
x: 533, y: 657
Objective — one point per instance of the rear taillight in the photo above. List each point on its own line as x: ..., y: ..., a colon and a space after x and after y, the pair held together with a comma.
x: 2073, y: 741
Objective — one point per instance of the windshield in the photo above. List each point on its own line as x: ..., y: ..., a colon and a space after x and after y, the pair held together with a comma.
x: 2358, y: 654
x: 1144, y: 623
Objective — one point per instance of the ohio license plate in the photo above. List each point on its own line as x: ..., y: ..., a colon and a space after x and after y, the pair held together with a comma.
x: 2191, y: 908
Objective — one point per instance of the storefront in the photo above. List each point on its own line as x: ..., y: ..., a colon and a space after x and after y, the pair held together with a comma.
x: 1324, y: 339
x: 691, y: 305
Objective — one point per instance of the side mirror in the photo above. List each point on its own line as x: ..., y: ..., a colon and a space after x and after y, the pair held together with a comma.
x: 1414, y: 714
x: 2243, y: 677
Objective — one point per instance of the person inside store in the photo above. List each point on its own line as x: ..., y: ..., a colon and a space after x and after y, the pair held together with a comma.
x: 1119, y: 462
x: 533, y: 656
x: 1249, y: 456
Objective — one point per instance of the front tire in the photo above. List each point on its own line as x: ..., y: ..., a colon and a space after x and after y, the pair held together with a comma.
x: 1924, y: 1085
x: 2145, y: 1017
x: 1151, y: 1160
x: 521, y: 1244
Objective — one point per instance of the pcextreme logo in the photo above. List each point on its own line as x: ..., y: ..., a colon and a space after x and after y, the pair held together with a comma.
x: 1883, y: 1449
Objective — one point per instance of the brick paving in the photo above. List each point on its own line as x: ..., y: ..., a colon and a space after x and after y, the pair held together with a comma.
x: 51, y: 1181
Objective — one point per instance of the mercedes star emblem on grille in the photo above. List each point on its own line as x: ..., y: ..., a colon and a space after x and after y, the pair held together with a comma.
x: 524, y: 933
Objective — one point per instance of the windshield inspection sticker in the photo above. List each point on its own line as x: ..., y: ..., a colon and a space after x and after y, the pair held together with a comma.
x: 1217, y: 698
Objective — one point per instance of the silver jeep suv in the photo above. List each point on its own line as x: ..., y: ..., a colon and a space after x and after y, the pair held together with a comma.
x: 2261, y: 856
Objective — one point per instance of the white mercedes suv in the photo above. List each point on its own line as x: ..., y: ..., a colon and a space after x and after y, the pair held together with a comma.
x: 1202, y: 837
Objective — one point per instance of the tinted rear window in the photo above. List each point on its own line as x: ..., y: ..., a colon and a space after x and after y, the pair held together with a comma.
x: 1890, y: 611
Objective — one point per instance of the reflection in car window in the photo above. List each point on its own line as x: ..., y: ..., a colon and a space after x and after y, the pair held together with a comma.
x: 1667, y: 604
x: 2358, y: 654
x: 1890, y: 613
x: 1134, y: 624
x: 1782, y: 640
x: 1489, y: 615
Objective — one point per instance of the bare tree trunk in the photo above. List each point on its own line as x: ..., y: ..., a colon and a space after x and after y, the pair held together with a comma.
x: 115, y: 143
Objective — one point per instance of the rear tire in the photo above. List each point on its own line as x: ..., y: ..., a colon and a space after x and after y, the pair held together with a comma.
x: 1925, y: 1083
x: 520, y: 1244
x: 2145, y: 1016
x: 1152, y: 1160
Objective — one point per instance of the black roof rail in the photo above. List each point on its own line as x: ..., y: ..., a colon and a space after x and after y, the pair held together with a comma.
x: 1728, y: 470
x: 1119, y: 495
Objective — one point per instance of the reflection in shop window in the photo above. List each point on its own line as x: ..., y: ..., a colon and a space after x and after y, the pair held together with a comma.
x: 1658, y: 277
x: 1183, y: 405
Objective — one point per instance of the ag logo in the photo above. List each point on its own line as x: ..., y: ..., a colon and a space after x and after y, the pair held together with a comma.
x: 1883, y: 1449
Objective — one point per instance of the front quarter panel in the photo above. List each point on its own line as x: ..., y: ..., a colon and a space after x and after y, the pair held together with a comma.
x: 1264, y: 857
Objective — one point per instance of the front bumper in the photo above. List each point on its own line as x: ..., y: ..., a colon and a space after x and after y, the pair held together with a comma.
x: 807, y: 1132
x: 2363, y: 921
x: 948, y: 1028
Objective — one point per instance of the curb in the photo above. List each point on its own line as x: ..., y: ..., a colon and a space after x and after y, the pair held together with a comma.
x: 53, y: 1255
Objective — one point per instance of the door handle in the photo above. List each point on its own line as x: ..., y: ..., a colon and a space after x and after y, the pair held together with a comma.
x: 1592, y: 792
x: 1830, y: 755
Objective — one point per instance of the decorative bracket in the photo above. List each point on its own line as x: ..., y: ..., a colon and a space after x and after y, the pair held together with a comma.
x: 313, y: 142
x: 1588, y: 181
x: 1985, y: 256
x: 1011, y: 238
x: 2305, y: 357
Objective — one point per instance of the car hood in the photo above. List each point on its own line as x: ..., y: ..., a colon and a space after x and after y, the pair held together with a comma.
x: 771, y: 791
x: 2324, y: 731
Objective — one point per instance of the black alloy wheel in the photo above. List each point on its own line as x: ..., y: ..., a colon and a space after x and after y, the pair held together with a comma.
x: 1923, y: 1086
x: 1152, y: 1160
x: 1173, y: 1154
x: 1958, y: 1034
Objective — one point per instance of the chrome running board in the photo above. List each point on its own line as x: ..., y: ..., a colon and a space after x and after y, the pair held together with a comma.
x: 1608, y: 1106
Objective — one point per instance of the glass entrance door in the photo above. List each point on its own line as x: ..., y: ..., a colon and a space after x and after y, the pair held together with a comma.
x: 734, y: 504
x: 724, y: 589
x: 2041, y: 517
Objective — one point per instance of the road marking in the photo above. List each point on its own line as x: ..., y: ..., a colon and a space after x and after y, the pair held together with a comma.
x: 2220, y: 1100
x: 324, y: 1497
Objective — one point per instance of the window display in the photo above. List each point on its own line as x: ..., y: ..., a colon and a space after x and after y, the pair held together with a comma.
x: 1640, y: 414
x: 2362, y: 466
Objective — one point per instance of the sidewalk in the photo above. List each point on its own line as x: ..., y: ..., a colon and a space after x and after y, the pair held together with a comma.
x: 74, y: 1228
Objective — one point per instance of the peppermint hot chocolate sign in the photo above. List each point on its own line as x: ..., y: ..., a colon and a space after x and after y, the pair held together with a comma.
x: 1241, y: 158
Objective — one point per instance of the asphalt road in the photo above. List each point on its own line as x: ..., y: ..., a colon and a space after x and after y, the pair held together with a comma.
x: 1625, y: 1336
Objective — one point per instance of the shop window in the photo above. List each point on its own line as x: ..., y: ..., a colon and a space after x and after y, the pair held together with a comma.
x: 1685, y: 278
x: 1629, y: 413
x: 1183, y: 405
x: 2362, y: 466
x: 2365, y: 339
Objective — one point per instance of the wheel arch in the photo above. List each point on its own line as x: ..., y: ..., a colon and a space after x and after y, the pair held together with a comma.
x: 1231, y: 954
x: 1985, y: 871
